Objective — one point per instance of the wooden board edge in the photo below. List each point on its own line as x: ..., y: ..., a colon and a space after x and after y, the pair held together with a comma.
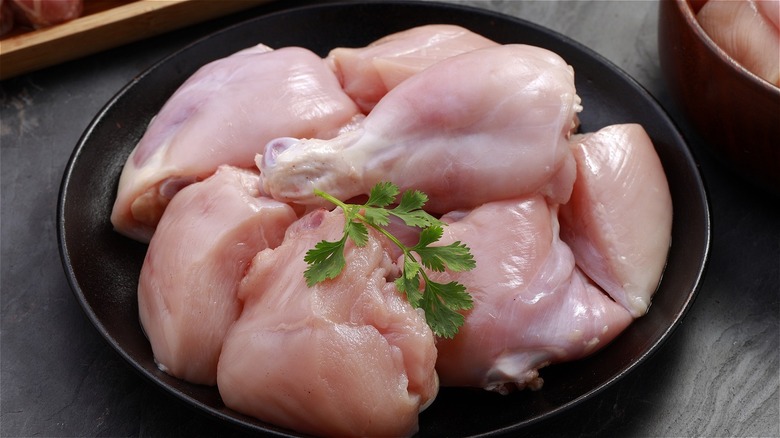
x: 111, y: 28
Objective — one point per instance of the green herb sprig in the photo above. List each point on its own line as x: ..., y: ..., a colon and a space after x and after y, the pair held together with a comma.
x: 440, y: 301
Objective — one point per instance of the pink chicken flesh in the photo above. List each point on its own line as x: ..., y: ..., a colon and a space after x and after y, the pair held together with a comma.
x: 189, y: 279
x: 224, y: 114
x: 44, y: 13
x: 748, y: 31
x: 619, y: 219
x: 348, y: 357
x: 532, y: 306
x: 570, y: 233
x: 368, y: 73
x: 462, y: 141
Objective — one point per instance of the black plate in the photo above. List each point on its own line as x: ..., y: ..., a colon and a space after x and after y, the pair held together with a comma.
x: 103, y: 266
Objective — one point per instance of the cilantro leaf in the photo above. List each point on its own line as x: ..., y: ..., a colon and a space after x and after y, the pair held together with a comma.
x: 382, y: 194
x: 455, y: 257
x: 410, y: 286
x: 441, y: 303
x: 427, y: 236
x: 377, y: 216
x: 412, y: 200
x: 357, y: 232
x: 326, y: 260
x: 409, y: 210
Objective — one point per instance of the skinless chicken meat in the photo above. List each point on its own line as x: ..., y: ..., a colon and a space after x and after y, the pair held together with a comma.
x: 532, y: 305
x: 619, y: 219
x: 40, y: 13
x: 368, y: 73
x: 499, y: 137
x: 748, y: 31
x: 347, y: 357
x: 570, y: 233
x: 224, y: 114
x: 189, y: 279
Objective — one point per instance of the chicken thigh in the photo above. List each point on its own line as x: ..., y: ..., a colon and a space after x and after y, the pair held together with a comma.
x: 368, y: 73
x: 488, y: 124
x: 619, y: 219
x: 189, y: 279
x: 532, y: 307
x: 224, y: 114
x: 346, y: 357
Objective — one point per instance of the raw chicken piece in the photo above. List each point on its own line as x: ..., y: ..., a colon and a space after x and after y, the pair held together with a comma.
x: 462, y: 141
x: 44, y: 13
x: 532, y: 307
x: 189, y: 279
x: 368, y: 73
x: 347, y: 357
x: 619, y: 219
x: 748, y: 31
x: 224, y: 114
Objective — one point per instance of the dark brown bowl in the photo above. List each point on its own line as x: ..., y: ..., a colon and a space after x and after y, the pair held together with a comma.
x: 735, y: 111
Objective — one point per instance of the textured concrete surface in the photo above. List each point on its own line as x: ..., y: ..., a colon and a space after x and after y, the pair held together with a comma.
x: 717, y: 376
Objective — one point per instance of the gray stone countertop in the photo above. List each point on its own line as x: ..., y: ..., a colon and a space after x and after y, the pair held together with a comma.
x: 58, y: 377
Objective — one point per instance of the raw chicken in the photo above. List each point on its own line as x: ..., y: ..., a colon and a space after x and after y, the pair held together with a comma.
x: 460, y: 140
x: 484, y: 130
x: 189, y: 279
x: 532, y: 307
x: 347, y: 357
x: 224, y: 114
x: 748, y: 31
x: 45, y: 13
x: 619, y: 219
x: 368, y: 73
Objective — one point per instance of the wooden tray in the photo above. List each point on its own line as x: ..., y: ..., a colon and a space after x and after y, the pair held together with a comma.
x: 105, y: 24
